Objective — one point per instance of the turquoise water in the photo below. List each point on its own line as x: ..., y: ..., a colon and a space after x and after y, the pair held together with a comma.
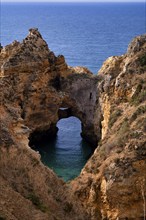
x: 67, y: 153
x: 86, y: 34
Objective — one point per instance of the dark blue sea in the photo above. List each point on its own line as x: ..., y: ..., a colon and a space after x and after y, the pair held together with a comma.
x: 86, y: 34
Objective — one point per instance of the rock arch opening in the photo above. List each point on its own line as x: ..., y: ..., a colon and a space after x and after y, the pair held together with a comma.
x: 66, y: 152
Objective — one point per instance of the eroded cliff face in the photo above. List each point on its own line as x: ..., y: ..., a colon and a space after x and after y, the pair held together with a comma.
x: 112, y: 185
x: 38, y: 89
x: 31, y: 98
x: 35, y: 86
x: 39, y: 84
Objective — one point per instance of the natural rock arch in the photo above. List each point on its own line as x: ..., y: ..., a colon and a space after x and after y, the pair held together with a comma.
x: 30, y: 101
x: 42, y: 83
x: 78, y: 98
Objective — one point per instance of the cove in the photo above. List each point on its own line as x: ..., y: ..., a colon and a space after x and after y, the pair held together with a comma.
x: 67, y: 153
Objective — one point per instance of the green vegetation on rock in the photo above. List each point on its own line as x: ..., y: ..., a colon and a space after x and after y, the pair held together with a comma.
x: 114, y: 116
x: 123, y: 132
x: 139, y: 95
x: 36, y: 201
x: 141, y: 110
x: 142, y: 60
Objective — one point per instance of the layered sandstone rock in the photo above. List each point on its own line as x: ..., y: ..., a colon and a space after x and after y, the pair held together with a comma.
x: 112, y: 185
x: 35, y: 87
x: 29, y: 107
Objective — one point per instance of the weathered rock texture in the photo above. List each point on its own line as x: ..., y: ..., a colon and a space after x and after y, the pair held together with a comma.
x: 38, y: 89
x: 112, y: 185
x: 40, y: 83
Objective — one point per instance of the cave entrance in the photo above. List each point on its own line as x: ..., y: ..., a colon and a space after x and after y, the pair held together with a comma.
x: 66, y: 153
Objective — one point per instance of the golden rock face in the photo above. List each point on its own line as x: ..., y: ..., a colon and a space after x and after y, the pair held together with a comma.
x: 34, y: 86
x: 113, y: 181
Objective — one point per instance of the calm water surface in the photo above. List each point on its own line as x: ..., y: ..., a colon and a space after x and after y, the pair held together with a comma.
x: 68, y: 153
x: 86, y: 34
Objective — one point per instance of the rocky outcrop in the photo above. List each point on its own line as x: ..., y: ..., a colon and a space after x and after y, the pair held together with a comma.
x: 32, y: 85
x: 112, y: 185
x: 82, y: 91
x: 40, y: 84
x: 37, y: 90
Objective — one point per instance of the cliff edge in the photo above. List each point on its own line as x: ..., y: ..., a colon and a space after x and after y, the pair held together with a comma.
x: 37, y: 90
x: 112, y: 185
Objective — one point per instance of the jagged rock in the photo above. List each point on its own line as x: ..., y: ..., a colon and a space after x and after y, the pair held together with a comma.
x: 35, y: 87
x: 117, y: 174
x: 137, y: 44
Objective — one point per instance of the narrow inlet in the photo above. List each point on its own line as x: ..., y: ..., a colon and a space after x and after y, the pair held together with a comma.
x: 66, y: 153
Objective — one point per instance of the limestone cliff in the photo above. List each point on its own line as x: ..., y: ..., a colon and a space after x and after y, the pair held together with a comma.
x: 35, y: 87
x: 29, y: 109
x: 112, y: 185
